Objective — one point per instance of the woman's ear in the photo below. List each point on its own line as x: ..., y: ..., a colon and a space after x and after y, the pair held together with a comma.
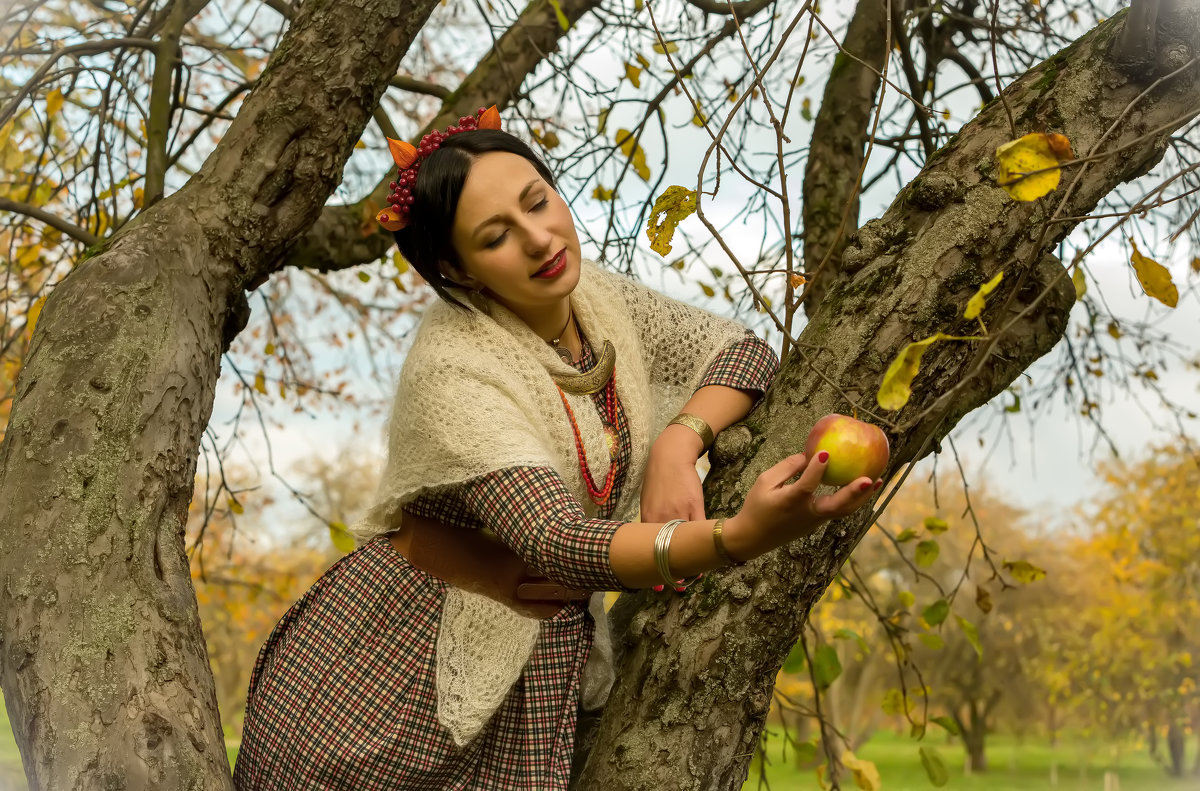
x: 457, y: 276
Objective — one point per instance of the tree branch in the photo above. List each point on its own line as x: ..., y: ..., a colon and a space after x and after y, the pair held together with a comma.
x: 158, y: 126
x: 413, y: 85
x: 74, y: 231
x: 740, y: 10
x: 840, y: 133
x: 346, y: 236
x: 76, y: 50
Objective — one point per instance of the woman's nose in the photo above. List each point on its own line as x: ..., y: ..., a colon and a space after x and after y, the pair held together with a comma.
x: 537, y: 238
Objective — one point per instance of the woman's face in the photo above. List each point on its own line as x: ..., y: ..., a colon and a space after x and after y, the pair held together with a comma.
x: 515, y: 238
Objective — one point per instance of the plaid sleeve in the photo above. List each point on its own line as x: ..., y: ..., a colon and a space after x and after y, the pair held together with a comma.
x: 444, y: 505
x: 749, y: 364
x: 531, y: 510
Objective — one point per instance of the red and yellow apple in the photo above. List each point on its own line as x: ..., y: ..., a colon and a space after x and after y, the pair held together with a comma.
x: 856, y: 449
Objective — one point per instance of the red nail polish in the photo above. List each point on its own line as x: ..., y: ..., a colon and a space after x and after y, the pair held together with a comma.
x: 865, y: 485
x: 657, y: 588
x: 879, y: 484
x: 823, y: 456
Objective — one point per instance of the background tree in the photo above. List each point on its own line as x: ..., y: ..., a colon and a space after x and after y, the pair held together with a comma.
x: 164, y: 237
x: 1130, y: 654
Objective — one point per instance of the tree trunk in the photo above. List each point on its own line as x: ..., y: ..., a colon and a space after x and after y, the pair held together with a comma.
x: 1175, y: 750
x: 975, y: 741
x: 696, y: 671
x: 105, y: 671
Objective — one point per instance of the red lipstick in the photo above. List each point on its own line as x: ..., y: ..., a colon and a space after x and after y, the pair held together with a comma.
x: 554, y: 267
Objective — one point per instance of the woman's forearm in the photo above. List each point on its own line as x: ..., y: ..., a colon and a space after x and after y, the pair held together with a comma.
x: 692, y: 550
x: 718, y: 406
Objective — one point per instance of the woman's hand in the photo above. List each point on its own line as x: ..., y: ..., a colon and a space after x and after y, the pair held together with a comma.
x: 671, y: 487
x: 776, y: 512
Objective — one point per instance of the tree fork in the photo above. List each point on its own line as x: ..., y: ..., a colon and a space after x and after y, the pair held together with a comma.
x: 104, y: 667
x: 347, y: 236
x: 695, y: 679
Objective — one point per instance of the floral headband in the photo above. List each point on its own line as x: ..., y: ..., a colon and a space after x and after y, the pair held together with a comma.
x: 409, y: 157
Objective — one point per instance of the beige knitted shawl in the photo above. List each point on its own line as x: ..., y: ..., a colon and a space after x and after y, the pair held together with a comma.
x: 475, y: 396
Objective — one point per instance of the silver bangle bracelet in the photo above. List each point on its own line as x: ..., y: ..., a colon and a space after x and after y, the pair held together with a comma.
x: 662, y: 547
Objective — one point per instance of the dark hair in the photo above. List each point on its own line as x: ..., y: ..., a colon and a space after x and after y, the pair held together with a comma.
x: 425, y: 241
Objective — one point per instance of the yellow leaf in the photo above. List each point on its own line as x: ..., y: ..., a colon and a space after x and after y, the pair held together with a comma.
x: 1154, y: 277
x: 708, y: 290
x: 866, y: 776
x: 983, y: 599
x: 1080, y: 282
x: 1024, y: 571
x: 563, y: 22
x: 907, y: 599
x: 1196, y: 264
x: 796, y: 281
x: 260, y: 383
x: 601, y: 121
x: 936, y: 525
x: 236, y: 507
x: 1027, y: 168
x: 31, y: 317
x: 661, y: 50
x: 14, y: 158
x: 54, y: 102
x: 341, y: 538
x: 28, y: 256
x: 633, y: 74
x: 673, y: 206
x: 636, y: 154
x: 269, y: 348
x: 602, y: 193
x: 1114, y: 330
x: 641, y: 59
x: 896, y: 388
x: 976, y: 303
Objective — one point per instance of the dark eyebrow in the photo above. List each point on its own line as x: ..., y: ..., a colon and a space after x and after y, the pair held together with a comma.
x: 495, y: 217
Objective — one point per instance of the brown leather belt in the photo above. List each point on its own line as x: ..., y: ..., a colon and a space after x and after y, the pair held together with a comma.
x: 472, y: 560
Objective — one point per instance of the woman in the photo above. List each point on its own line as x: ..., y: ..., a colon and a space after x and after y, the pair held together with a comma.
x: 533, y: 416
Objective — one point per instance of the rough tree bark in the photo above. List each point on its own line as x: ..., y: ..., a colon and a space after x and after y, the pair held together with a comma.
x: 105, y: 672
x: 695, y: 679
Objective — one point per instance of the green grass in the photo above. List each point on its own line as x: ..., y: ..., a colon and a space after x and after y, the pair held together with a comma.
x: 1013, y: 766
x: 12, y: 776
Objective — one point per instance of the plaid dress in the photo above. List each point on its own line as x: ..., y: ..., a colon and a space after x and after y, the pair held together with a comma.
x: 344, y: 692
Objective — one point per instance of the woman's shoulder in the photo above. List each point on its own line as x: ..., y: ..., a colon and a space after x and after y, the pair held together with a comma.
x: 450, y: 344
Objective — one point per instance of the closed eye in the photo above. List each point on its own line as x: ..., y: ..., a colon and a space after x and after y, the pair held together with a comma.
x: 494, y: 243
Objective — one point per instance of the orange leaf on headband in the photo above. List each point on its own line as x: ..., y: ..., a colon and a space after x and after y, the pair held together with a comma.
x: 490, y: 119
x: 403, y: 153
x: 391, y: 220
